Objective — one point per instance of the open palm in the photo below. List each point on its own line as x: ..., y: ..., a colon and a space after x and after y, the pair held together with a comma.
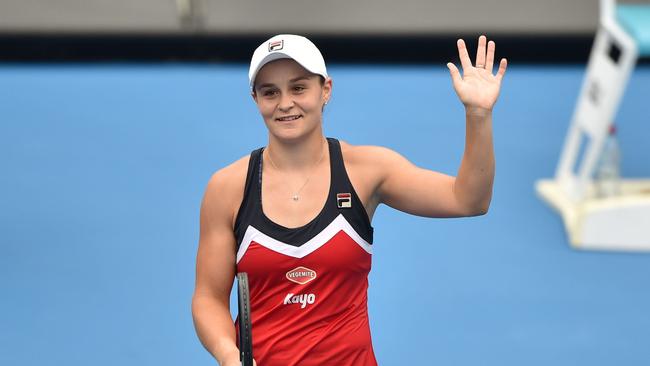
x: 477, y: 88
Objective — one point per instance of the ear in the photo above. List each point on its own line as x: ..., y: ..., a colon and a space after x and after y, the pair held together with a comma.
x: 254, y: 95
x: 327, y: 89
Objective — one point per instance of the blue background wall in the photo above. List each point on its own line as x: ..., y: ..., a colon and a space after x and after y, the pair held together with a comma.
x: 103, y: 167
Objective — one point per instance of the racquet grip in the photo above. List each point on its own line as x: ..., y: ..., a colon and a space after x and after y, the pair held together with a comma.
x: 245, y: 328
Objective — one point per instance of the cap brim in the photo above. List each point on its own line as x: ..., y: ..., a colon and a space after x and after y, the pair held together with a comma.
x: 268, y: 58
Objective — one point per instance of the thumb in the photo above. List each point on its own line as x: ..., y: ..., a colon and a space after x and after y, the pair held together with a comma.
x: 455, y: 74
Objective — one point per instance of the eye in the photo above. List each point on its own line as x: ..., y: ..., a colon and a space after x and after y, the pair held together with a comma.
x: 269, y: 92
x: 299, y: 88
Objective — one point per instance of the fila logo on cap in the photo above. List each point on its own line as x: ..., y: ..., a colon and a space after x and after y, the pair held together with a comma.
x: 276, y: 45
x: 344, y: 200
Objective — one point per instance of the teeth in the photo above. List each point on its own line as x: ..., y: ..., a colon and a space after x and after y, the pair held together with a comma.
x: 288, y: 118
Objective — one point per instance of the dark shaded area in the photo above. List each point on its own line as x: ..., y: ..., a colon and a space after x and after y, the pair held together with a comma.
x: 221, y: 48
x: 614, y: 51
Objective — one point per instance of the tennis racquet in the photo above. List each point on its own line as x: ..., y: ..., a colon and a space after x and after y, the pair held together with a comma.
x: 245, y: 329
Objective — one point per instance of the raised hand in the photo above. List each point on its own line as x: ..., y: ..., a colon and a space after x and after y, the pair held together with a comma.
x: 478, y: 89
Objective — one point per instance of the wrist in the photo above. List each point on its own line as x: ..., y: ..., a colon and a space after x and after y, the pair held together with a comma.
x: 227, y: 354
x: 477, y: 112
x: 229, y: 359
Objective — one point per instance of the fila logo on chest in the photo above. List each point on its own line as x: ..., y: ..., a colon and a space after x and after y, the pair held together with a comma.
x: 344, y: 200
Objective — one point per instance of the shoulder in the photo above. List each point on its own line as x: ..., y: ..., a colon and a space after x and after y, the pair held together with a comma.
x: 369, y: 155
x: 225, y: 188
x: 228, y: 177
x: 369, y: 166
x: 376, y: 164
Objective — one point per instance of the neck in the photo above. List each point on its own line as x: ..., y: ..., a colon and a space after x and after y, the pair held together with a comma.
x: 300, y: 155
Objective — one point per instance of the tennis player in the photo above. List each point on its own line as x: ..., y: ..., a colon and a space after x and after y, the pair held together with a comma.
x: 296, y: 214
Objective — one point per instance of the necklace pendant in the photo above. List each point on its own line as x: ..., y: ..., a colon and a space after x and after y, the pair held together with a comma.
x: 295, y: 197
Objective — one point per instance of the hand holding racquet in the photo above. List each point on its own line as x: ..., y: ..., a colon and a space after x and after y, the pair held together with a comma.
x: 245, y: 330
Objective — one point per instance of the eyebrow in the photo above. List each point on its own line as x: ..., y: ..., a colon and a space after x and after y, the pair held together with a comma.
x: 303, y: 77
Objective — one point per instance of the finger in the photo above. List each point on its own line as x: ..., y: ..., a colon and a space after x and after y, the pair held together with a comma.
x: 489, y: 60
x: 480, y: 52
x: 502, y: 69
x: 464, y: 56
x: 455, y: 74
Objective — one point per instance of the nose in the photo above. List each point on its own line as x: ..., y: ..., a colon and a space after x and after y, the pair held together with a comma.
x: 286, y: 102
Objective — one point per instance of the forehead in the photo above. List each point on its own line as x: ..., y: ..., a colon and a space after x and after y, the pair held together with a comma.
x: 281, y: 71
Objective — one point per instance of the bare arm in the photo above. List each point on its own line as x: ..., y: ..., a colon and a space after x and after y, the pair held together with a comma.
x: 478, y: 90
x: 215, y: 271
x: 473, y: 184
x: 428, y: 193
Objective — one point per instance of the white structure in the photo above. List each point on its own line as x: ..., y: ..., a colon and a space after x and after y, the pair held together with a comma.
x: 620, y: 222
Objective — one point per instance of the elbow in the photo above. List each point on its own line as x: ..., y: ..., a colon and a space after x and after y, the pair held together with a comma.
x: 193, y: 307
x: 475, y: 212
x: 473, y: 202
x: 483, y: 208
x: 478, y: 209
x: 197, y: 305
x: 481, y: 211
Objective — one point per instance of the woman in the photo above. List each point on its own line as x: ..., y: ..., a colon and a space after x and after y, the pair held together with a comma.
x: 303, y: 232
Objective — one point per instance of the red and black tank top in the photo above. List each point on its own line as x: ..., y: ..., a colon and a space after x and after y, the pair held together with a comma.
x: 308, y: 285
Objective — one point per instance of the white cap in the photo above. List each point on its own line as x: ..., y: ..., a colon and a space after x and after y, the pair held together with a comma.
x: 298, y: 48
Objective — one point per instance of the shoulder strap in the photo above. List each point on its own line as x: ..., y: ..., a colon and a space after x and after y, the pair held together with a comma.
x: 250, y: 202
x: 348, y: 202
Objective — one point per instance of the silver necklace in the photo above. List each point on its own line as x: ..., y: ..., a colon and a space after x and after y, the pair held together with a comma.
x: 296, y: 196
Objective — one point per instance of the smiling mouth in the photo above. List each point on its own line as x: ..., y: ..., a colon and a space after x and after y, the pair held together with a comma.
x: 288, y: 118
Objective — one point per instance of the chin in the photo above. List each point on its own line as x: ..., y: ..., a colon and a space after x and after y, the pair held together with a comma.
x: 288, y: 136
x: 288, y: 132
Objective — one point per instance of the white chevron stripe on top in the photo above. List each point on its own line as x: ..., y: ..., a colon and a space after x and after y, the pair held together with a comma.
x: 338, y: 224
